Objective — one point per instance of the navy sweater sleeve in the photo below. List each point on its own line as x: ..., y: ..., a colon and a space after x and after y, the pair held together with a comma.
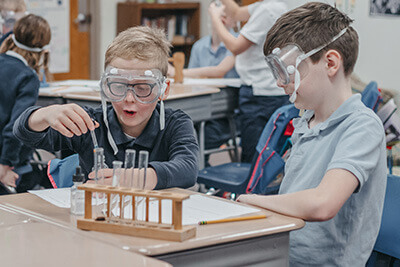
x: 26, y: 95
x: 182, y: 167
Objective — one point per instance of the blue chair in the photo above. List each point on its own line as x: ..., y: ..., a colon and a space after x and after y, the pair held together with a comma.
x: 239, y: 178
x: 60, y: 171
x: 387, y: 247
x: 371, y: 96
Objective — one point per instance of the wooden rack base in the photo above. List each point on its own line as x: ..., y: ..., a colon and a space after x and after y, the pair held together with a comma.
x: 133, y: 227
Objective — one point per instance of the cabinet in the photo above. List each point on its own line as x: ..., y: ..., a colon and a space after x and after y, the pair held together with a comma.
x: 181, y: 21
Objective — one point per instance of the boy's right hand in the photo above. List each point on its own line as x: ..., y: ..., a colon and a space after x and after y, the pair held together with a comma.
x: 68, y: 119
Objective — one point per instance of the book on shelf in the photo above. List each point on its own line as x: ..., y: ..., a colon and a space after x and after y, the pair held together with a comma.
x: 174, y: 26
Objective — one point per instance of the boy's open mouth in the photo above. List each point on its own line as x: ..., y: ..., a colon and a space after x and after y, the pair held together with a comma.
x: 129, y: 112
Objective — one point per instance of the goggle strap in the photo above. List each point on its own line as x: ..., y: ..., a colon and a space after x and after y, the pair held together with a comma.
x: 27, y: 48
x: 162, y: 115
x: 109, y: 136
x: 316, y: 50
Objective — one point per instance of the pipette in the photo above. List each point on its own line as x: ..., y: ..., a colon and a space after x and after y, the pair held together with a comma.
x: 94, y: 139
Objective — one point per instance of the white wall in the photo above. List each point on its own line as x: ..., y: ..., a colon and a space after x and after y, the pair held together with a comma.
x: 379, y: 39
x: 379, y: 44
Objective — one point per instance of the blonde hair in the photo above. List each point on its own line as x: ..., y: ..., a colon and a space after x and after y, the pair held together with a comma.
x: 13, y: 5
x: 141, y: 43
x: 32, y: 31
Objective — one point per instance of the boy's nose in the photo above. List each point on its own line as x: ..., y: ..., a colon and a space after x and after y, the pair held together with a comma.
x: 129, y: 96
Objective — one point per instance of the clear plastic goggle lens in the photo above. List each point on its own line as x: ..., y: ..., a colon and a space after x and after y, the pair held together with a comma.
x: 145, y: 85
x: 143, y: 92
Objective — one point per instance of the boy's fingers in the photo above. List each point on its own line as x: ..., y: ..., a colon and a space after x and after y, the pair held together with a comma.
x: 87, y: 120
x: 106, y: 173
x: 71, y: 126
x: 62, y: 129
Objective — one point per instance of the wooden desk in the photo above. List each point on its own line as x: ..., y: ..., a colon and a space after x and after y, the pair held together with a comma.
x: 30, y: 240
x: 264, y: 241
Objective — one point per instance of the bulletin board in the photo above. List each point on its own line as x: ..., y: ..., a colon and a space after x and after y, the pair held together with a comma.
x: 56, y: 12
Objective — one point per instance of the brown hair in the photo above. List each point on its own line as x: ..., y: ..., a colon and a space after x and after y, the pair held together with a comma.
x: 142, y: 43
x: 32, y: 31
x: 312, y: 25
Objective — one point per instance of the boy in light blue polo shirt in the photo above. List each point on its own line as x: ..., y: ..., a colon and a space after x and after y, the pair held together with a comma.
x: 335, y: 177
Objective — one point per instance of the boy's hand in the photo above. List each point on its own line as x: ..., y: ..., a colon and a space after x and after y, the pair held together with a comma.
x: 171, y: 71
x: 7, y: 176
x: 106, y: 173
x: 151, y: 178
x: 68, y: 119
x: 216, y: 11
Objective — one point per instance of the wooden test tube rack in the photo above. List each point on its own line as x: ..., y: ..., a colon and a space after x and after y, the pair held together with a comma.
x: 140, y: 228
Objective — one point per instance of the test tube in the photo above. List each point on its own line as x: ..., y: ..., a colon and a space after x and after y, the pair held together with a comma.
x: 99, y: 176
x: 130, y: 157
x: 141, y: 182
x: 143, y: 162
x: 98, y: 165
x: 117, y: 171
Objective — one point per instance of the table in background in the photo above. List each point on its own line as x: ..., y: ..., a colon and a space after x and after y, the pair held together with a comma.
x: 253, y: 242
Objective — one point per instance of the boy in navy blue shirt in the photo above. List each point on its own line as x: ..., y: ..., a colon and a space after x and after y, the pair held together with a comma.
x: 133, y: 81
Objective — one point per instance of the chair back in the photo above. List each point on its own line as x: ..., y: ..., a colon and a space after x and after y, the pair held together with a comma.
x: 371, y: 96
x: 273, y: 142
x: 60, y: 171
x: 388, y: 241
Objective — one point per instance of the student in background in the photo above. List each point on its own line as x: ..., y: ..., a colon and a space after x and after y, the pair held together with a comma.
x: 259, y: 97
x: 209, y: 57
x: 10, y: 12
x: 136, y: 63
x: 335, y: 177
x: 23, y: 54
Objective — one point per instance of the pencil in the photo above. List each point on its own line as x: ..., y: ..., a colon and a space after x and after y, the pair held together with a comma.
x: 234, y: 219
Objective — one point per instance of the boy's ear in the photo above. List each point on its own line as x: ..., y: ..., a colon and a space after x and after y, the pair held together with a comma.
x: 334, y: 61
x: 166, y: 92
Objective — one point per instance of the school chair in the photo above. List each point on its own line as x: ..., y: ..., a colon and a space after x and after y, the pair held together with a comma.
x: 371, y: 96
x: 387, y: 247
x: 60, y: 171
x: 255, y: 177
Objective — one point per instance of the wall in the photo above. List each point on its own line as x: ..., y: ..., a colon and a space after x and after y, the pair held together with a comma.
x: 379, y: 44
x: 379, y: 39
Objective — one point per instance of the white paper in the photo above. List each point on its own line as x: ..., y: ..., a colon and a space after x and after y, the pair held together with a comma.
x: 221, y: 82
x: 60, y: 197
x: 195, y: 209
x: 82, y: 83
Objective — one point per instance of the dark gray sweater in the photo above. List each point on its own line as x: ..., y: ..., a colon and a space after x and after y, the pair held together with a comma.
x: 173, y: 152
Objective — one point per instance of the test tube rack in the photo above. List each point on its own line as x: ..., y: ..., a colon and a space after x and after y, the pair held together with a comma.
x: 141, y: 228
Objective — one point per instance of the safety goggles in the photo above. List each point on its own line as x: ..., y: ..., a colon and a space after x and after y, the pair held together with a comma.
x: 282, y: 63
x: 288, y: 64
x: 8, y: 19
x: 146, y: 85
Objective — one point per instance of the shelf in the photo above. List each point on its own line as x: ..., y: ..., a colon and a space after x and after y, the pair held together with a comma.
x: 185, y: 23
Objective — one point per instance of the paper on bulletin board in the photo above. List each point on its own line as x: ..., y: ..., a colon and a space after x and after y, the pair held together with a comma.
x: 56, y: 12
